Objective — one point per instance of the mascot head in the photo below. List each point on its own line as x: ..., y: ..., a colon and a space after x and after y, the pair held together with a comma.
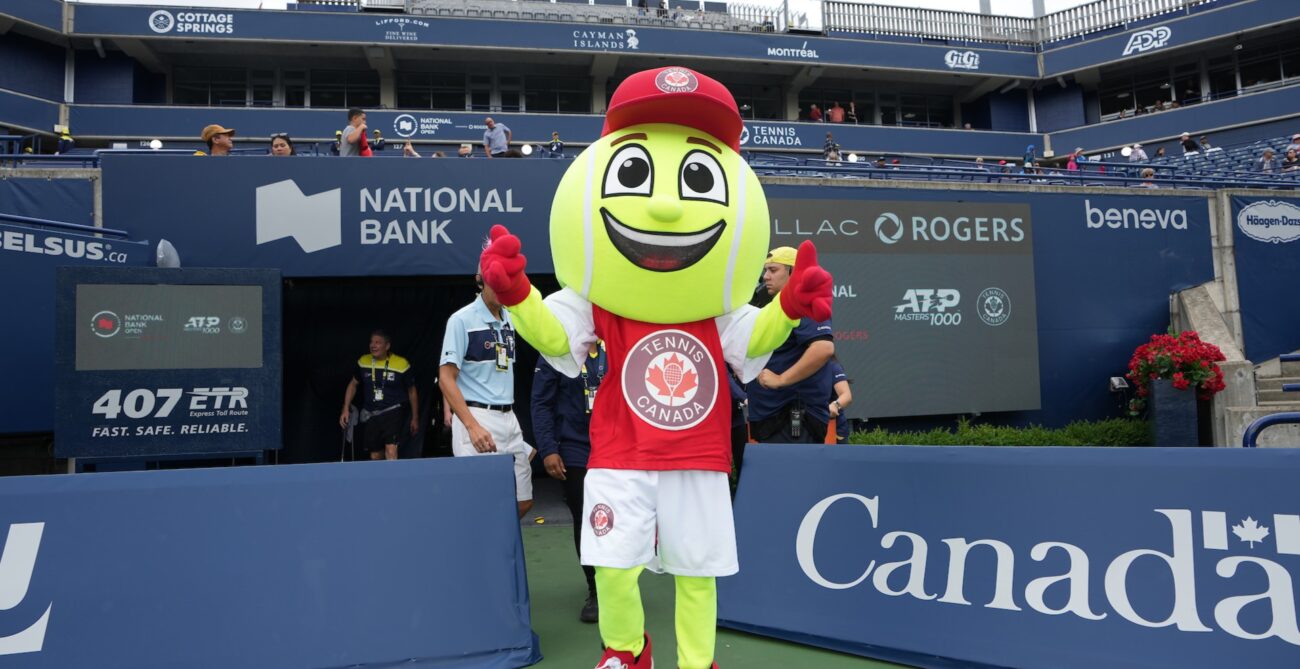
x: 661, y: 220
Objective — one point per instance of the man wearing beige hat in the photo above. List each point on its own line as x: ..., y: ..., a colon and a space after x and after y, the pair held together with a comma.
x: 220, y: 140
x: 787, y: 402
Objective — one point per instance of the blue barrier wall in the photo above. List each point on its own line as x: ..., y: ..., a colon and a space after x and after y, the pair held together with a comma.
x: 108, y: 80
x: 28, y: 258
x: 1208, y: 21
x: 67, y: 200
x: 31, y: 66
x: 29, y: 113
x: 1266, y: 236
x: 44, y: 13
x: 1056, y: 108
x: 339, y: 565
x: 1010, y: 557
x: 102, y: 20
x: 145, y: 122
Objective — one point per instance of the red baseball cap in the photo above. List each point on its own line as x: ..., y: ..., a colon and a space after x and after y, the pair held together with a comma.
x: 675, y: 95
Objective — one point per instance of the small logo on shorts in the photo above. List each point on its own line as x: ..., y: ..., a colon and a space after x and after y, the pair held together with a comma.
x: 602, y: 520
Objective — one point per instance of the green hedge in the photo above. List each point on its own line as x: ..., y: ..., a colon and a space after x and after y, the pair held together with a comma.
x: 1111, y: 432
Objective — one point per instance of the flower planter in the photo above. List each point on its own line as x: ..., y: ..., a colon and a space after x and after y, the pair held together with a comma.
x: 1174, y: 413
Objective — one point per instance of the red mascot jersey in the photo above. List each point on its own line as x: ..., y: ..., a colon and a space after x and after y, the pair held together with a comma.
x: 665, y: 403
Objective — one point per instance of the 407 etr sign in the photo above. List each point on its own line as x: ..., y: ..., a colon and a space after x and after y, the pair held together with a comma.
x: 150, y: 412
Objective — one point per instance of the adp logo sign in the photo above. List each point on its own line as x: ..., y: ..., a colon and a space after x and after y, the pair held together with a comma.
x: 1251, y: 554
x: 1147, y: 40
x: 1270, y: 221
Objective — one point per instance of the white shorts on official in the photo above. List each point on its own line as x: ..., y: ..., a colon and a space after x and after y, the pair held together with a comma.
x: 509, y: 438
x: 688, y: 512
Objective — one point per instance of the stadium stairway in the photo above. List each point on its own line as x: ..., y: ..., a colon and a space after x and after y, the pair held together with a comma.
x: 1252, y: 391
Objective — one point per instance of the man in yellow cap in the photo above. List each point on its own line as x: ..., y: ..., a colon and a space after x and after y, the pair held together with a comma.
x: 220, y: 140
x: 787, y: 401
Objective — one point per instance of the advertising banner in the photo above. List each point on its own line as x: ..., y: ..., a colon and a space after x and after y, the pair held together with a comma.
x: 290, y: 566
x: 333, y: 217
x: 29, y: 257
x: 496, y: 32
x: 1009, y: 557
x: 165, y: 362
x: 934, y: 301
x: 1266, y: 239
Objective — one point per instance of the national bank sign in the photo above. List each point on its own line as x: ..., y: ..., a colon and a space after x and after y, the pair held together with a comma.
x: 1251, y: 553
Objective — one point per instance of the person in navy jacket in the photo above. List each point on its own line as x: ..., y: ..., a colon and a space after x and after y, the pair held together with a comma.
x: 561, y: 423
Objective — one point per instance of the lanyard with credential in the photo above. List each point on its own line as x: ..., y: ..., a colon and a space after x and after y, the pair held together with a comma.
x: 375, y: 385
x: 503, y: 354
x: 589, y: 390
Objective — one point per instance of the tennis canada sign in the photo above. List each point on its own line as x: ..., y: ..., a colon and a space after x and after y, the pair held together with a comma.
x: 1184, y: 615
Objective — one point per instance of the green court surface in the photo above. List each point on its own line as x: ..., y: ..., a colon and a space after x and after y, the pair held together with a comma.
x: 557, y: 591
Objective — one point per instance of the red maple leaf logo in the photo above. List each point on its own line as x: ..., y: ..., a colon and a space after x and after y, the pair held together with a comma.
x: 105, y: 324
x: 677, y: 78
x: 671, y: 380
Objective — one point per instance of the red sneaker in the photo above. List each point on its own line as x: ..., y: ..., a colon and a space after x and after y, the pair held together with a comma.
x: 622, y: 659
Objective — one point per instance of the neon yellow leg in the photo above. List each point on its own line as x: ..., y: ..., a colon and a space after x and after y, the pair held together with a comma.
x: 622, y: 619
x: 697, y: 621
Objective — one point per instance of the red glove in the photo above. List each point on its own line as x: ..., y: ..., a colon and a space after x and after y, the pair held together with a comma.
x: 808, y: 292
x: 502, y: 266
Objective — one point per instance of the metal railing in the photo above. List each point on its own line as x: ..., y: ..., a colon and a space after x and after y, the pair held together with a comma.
x: 1251, y: 436
x: 839, y: 16
x: 743, y: 18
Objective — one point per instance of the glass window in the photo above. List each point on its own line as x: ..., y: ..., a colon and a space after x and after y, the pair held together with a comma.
x: 295, y: 88
x: 261, y: 84
x: 328, y: 88
x: 413, y: 90
x: 510, y: 100
x: 1260, y: 70
x: 363, y: 89
x: 1291, y: 64
x: 230, y: 87
x: 189, y: 86
x: 1223, y: 83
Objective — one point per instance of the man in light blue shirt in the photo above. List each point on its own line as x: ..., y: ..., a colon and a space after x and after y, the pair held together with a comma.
x: 496, y: 139
x: 477, y: 376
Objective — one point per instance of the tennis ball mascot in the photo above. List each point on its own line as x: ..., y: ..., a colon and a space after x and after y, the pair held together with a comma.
x: 658, y: 232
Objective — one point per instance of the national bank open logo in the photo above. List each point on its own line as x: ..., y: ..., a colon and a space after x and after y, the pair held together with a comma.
x: 670, y: 380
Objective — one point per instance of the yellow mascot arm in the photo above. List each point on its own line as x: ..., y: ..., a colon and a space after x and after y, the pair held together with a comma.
x: 771, y: 328
x: 539, y: 326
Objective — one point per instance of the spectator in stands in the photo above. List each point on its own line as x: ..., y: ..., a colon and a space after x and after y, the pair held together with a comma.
x: 1290, y: 163
x: 1004, y: 167
x: 465, y: 151
x: 1205, y: 144
x: 966, y: 126
x: 1189, y: 145
x: 220, y: 140
x: 979, y: 164
x: 1072, y: 163
x: 437, y: 154
x: 836, y: 113
x: 641, y: 7
x: 1266, y: 163
x: 851, y: 116
x: 768, y: 26
x: 338, y: 139
x: 679, y: 15
x: 282, y: 145
x: 65, y: 142
x: 1137, y: 155
x: 556, y: 148
x: 378, y: 144
x: 814, y: 113
x: 881, y: 163
x: 1295, y: 143
x: 353, y: 137
x: 1030, y: 155
x: 830, y: 150
x: 408, y: 150
x: 1160, y: 152
x: 1148, y: 173
x: 663, y: 9
x: 496, y: 139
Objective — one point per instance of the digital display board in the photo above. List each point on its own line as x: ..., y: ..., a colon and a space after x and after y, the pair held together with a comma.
x: 127, y: 326
x: 162, y: 362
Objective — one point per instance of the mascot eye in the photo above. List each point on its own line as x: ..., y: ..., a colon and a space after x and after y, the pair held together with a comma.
x: 630, y: 172
x: 702, y: 178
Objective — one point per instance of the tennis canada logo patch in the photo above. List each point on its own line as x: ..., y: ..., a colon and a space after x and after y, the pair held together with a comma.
x: 602, y: 520
x: 676, y: 80
x: 670, y: 380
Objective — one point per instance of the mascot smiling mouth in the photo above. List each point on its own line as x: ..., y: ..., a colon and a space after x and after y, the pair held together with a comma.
x: 661, y: 251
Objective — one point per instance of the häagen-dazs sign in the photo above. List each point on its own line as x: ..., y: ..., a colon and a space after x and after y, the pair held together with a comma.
x: 1270, y: 221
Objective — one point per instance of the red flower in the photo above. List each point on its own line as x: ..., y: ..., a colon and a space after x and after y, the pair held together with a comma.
x: 1180, y: 382
x: 1184, y: 359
